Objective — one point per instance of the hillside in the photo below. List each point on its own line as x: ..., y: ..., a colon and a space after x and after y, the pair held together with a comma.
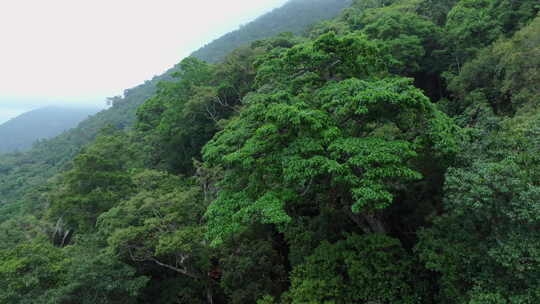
x: 19, y: 133
x: 388, y: 155
x: 20, y: 173
x: 295, y: 16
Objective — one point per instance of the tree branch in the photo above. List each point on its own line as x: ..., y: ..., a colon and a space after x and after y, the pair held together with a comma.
x: 176, y: 269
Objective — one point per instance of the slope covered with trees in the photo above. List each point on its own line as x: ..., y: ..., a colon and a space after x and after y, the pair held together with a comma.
x: 295, y: 16
x: 23, y: 172
x: 19, y: 133
x: 389, y: 155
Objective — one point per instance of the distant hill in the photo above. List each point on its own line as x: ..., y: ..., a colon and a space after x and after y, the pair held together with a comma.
x: 294, y: 16
x: 19, y: 133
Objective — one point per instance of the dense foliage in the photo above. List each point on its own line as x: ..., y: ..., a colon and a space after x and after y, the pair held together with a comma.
x: 389, y: 155
x: 22, y: 173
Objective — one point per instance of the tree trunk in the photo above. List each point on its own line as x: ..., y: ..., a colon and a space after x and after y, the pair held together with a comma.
x: 209, y: 296
x: 374, y: 223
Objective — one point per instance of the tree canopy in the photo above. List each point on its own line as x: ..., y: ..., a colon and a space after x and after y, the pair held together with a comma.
x: 388, y: 155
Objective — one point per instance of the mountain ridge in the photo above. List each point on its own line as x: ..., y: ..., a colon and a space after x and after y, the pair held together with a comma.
x: 21, y: 132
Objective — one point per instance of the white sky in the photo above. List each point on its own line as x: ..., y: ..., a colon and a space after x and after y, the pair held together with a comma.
x: 82, y: 51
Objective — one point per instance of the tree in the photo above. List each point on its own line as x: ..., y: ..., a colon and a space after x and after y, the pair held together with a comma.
x: 252, y: 265
x: 470, y: 28
x: 360, y: 269
x: 436, y: 10
x: 485, y: 244
x: 409, y: 38
x: 505, y: 73
x: 162, y: 225
x: 29, y: 271
x: 475, y: 24
x: 322, y: 135
x: 97, y: 181
x: 93, y: 276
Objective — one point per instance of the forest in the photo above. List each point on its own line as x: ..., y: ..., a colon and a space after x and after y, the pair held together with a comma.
x: 387, y: 153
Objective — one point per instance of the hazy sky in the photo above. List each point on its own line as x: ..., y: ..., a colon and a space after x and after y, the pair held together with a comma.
x: 79, y: 52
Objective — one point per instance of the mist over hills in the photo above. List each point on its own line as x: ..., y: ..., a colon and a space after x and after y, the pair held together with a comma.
x: 19, y: 133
